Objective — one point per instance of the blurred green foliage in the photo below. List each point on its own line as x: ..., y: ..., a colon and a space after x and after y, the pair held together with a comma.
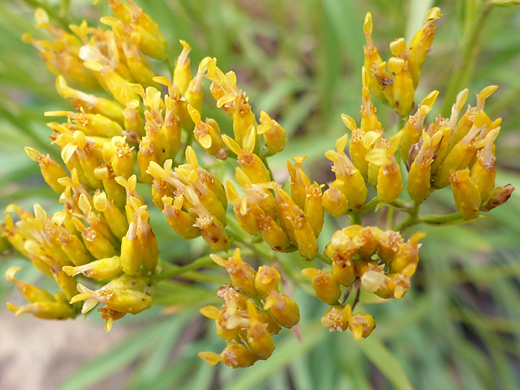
x: 458, y: 327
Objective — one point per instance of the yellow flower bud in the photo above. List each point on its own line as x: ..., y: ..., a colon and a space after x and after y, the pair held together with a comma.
x: 145, y: 156
x: 139, y: 246
x: 89, y: 103
x: 131, y: 251
x: 343, y: 269
x: 194, y: 93
x: 137, y: 64
x: 266, y: 280
x: 361, y: 325
x: 483, y: 171
x: 44, y: 310
x: 458, y: 158
x: 126, y: 294
x: 359, y: 146
x: 251, y: 164
x: 119, y: 88
x: 133, y: 120
x: 119, y: 154
x: 208, y: 135
x: 13, y: 234
x: 73, y: 248
x: 304, y: 235
x: 403, y: 87
x: 465, y: 193
x: 258, y: 338
x: 273, y: 133
x: 273, y: 234
x: 51, y: 170
x: 102, y: 269
x: 133, y: 199
x: 116, y: 219
x: 380, y: 81
x: 389, y: 180
x: 408, y: 253
x: 114, y: 192
x: 243, y: 118
x: 419, y: 177
x: 389, y: 243
x: 242, y: 274
x: 67, y: 283
x: 98, y: 245
x: 179, y: 220
x: 369, y: 121
x: 246, y: 213
x: 91, y: 124
x: 314, y: 212
x: 348, y: 178
x: 28, y: 291
x: 257, y: 193
x: 212, y: 230
x: 235, y: 355
x: 283, y: 309
x: 334, y: 201
x: 208, y: 199
x: 295, y: 224
x: 325, y: 285
x: 414, y: 125
x: 337, y: 318
x: 345, y: 242
x: 227, y: 320
x: 182, y: 72
x: 401, y: 282
x: 420, y: 44
x: 299, y: 181
x: 147, y: 239
x: 152, y: 41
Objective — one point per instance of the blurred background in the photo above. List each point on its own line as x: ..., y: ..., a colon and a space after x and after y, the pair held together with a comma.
x: 300, y: 60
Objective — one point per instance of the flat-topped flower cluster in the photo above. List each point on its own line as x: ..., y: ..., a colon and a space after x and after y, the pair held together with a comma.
x: 101, y: 249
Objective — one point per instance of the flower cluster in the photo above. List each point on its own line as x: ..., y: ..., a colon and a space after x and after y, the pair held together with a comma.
x: 197, y: 191
x: 397, y: 89
x: 455, y: 151
x: 103, y: 232
x: 151, y: 135
x: 253, y: 311
x: 381, y: 262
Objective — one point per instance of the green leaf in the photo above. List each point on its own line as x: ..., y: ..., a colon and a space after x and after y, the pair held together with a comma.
x: 376, y: 351
x: 115, y: 359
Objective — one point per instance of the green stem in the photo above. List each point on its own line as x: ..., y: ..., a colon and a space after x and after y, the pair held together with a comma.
x: 369, y: 206
x: 264, y: 160
x: 435, y: 220
x: 411, y: 220
x: 402, y: 205
x: 324, y: 259
x: 448, y: 219
x: 356, y: 218
x: 390, y: 218
x: 64, y: 8
x: 462, y: 73
x: 199, y: 263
